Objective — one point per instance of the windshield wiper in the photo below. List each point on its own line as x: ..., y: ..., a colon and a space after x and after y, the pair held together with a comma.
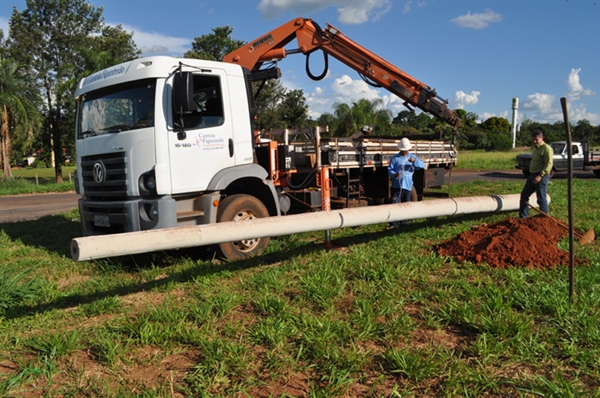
x: 89, y: 133
x: 117, y: 128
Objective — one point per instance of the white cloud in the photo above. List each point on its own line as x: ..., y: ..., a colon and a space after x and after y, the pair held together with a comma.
x: 545, y: 107
x: 408, y: 4
x: 485, y: 116
x: 318, y: 103
x: 362, y: 11
x: 348, y: 89
x: 477, y: 21
x: 461, y: 99
x: 271, y: 9
x: 578, y: 112
x: 155, y: 43
x: 342, y: 90
x: 353, y: 12
x: 504, y: 114
x: 541, y: 103
x: 576, y: 89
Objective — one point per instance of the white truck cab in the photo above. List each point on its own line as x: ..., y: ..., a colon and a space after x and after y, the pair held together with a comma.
x: 160, y: 141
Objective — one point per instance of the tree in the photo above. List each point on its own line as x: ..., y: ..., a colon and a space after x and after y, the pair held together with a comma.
x: 495, y: 123
x: 269, y: 96
x: 293, y: 109
x: 468, y: 120
x: 404, y: 117
x: 18, y: 109
x: 421, y: 121
x: 113, y: 46
x: 49, y: 36
x: 584, y: 131
x: 214, y: 46
x: 360, y: 113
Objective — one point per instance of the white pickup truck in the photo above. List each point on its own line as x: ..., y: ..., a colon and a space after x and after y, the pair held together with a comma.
x: 583, y: 158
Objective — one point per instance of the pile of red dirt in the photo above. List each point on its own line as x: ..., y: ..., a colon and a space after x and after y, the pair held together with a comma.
x: 514, y: 242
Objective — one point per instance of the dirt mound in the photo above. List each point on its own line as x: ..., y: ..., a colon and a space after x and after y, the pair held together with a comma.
x: 530, y: 242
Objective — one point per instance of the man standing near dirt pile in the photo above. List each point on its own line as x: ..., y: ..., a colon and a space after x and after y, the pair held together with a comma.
x: 541, y: 165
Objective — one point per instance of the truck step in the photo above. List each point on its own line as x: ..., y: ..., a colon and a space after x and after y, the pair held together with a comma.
x: 189, y: 214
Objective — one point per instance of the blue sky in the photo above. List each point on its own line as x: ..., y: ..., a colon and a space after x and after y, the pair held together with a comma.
x: 477, y: 54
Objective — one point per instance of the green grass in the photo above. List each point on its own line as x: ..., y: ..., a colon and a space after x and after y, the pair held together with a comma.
x: 481, y: 160
x: 37, y: 180
x: 378, y: 315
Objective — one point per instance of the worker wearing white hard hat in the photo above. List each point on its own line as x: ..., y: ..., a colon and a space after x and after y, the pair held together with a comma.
x: 401, y: 169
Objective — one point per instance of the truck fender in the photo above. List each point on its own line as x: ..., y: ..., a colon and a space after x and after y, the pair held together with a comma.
x: 224, y: 178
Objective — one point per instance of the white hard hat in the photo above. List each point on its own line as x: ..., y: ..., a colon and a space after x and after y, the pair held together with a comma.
x: 404, y: 144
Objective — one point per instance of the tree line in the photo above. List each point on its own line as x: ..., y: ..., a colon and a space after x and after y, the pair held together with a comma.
x: 52, y: 44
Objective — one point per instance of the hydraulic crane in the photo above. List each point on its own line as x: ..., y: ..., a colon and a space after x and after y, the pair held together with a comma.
x: 372, y: 68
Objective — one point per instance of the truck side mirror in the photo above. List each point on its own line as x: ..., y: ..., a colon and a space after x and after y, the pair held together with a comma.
x: 183, y: 92
x: 183, y: 99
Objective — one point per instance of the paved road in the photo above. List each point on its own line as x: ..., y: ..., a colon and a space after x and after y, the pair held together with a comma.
x: 30, y: 207
x: 511, y: 175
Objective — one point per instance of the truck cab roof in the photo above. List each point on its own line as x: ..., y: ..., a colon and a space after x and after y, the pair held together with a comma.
x: 148, y: 67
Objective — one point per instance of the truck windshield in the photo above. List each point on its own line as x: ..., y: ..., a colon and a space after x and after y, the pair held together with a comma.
x: 557, y: 147
x: 117, y: 108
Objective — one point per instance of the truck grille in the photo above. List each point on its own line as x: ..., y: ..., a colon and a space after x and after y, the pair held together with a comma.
x: 113, y: 186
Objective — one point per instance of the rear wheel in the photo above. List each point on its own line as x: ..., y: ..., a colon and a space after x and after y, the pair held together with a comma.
x: 242, y: 208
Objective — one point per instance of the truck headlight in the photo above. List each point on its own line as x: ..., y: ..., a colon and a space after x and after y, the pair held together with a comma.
x: 147, y: 184
x: 151, y: 211
x: 150, y: 182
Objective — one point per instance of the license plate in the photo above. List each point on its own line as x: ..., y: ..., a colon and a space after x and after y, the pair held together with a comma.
x: 101, y: 220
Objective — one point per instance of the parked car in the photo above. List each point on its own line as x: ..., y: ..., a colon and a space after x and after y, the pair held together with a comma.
x: 583, y: 158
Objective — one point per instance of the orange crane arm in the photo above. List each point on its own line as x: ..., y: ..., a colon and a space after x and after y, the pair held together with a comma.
x: 311, y: 37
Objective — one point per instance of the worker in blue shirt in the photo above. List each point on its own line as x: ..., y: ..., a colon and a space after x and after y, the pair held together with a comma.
x: 401, y: 170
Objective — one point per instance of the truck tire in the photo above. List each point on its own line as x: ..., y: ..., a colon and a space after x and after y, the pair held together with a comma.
x: 240, y: 208
x: 597, y: 172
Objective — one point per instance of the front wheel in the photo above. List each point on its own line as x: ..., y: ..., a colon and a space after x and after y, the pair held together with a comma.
x: 241, y: 208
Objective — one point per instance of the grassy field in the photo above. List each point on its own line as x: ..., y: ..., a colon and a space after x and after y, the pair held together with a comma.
x: 377, y: 315
x: 480, y: 160
x: 37, y: 180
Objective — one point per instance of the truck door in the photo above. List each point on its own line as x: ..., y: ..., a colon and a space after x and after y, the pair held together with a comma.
x: 577, y: 157
x: 206, y: 146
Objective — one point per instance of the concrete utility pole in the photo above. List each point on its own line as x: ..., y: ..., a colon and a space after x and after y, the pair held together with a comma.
x: 515, y: 106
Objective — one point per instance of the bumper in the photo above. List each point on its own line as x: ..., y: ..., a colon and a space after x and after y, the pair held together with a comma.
x: 100, y: 218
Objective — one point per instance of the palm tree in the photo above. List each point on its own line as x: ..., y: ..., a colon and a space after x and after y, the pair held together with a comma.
x: 18, y: 112
x: 360, y: 113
